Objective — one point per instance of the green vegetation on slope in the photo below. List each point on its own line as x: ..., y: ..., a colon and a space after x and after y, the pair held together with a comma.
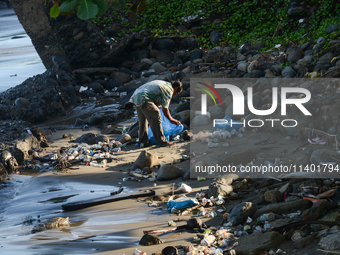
x: 237, y: 20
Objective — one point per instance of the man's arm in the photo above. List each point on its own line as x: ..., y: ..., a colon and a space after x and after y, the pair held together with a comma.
x: 167, y: 114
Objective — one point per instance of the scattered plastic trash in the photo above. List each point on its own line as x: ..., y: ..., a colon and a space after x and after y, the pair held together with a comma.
x: 186, y: 188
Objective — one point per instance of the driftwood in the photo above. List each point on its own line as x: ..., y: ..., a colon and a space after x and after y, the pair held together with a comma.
x: 159, y: 231
x: 301, y: 223
x: 95, y: 70
x: 104, y: 200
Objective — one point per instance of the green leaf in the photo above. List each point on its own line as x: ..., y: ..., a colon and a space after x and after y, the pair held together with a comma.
x: 54, y: 12
x: 46, y: 2
x: 122, y: 3
x: 69, y: 5
x: 133, y: 8
x: 87, y: 10
x: 102, y: 6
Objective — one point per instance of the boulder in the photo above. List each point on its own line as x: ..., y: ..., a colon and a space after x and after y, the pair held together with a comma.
x: 189, y: 43
x: 123, y: 138
x: 145, y: 159
x: 183, y: 55
x: 294, y: 55
x: 138, y: 67
x: 241, y: 212
x: 158, y: 67
x: 122, y: 77
x: 330, y: 242
x: 22, y: 147
x: 164, y: 44
x: 222, y: 185
x: 196, y: 54
x: 165, y: 56
x: 148, y: 240
x: 96, y: 119
x: 168, y: 172
x: 200, y: 120
x: 184, y: 116
x: 257, y: 243
x: 215, y: 36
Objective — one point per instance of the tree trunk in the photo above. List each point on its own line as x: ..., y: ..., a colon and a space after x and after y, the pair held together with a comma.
x: 33, y: 15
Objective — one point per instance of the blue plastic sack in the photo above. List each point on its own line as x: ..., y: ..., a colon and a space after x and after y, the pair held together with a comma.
x: 225, y: 123
x: 179, y: 204
x: 168, y: 129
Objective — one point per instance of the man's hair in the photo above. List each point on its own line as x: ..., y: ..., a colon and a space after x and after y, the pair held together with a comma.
x: 177, y: 84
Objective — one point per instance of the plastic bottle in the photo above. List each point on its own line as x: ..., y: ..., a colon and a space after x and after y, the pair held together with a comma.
x: 213, y: 145
x: 96, y: 164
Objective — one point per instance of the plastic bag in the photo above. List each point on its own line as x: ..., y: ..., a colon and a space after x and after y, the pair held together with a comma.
x: 168, y: 128
x: 179, y: 204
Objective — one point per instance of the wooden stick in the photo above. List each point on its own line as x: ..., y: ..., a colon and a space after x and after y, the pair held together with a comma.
x: 187, y: 211
x: 159, y: 231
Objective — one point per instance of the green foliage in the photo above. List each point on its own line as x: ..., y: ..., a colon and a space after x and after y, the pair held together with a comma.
x: 240, y: 20
x: 87, y: 9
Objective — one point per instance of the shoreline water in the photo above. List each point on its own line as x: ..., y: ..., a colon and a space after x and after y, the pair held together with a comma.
x: 18, y: 57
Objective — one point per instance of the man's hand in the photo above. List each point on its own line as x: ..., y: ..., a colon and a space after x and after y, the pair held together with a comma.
x: 176, y: 122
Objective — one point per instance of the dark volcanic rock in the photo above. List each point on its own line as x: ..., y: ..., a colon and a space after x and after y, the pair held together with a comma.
x: 189, y: 43
x: 164, y: 44
x: 165, y: 56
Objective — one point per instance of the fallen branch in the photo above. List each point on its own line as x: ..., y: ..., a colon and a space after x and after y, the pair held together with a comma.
x: 95, y: 70
x: 159, y: 231
x: 187, y: 211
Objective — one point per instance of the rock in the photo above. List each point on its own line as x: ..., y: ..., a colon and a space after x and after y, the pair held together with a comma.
x: 277, y: 69
x: 182, y: 107
x: 323, y: 155
x: 215, y: 36
x: 168, y: 172
x: 3, y: 173
x: 189, y: 43
x: 54, y: 223
x: 83, y: 78
x: 145, y: 159
x: 112, y: 84
x: 252, y: 66
x: 197, y: 61
x: 216, y: 112
x: 140, y: 67
x: 256, y: 244
x: 305, y: 46
x: 123, y: 138
x: 259, y: 46
x: 332, y: 28
x: 137, y: 56
x: 122, y: 77
x: 330, y: 242
x: 79, y: 122
x: 295, y: 11
x: 134, y: 132
x: 294, y: 55
x: 242, y: 66
x: 96, y: 87
x: 176, y: 62
x: 147, y: 61
x: 284, y: 207
x: 148, y: 240
x: 22, y: 102
x: 164, y: 44
x: 170, y: 250
x: 79, y: 36
x: 332, y: 130
x: 196, y: 54
x: 22, y: 147
x: 321, y: 41
x: 9, y: 163
x: 222, y: 185
x: 241, y: 212
x: 39, y: 115
x: 200, y: 120
x: 96, y: 119
x: 165, y: 56
x: 212, y: 56
x: 184, y: 116
x: 288, y: 72
x: 183, y: 55
x: 158, y: 67
x: 325, y: 59
x: 240, y: 57
x: 187, y: 135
